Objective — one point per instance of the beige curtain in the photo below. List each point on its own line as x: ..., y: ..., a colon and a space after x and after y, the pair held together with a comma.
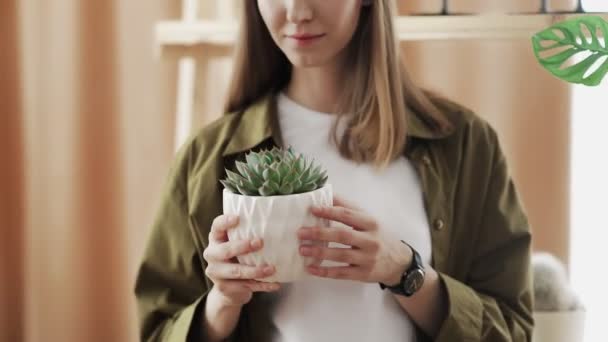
x: 11, y: 181
x: 86, y: 136
x: 87, y: 131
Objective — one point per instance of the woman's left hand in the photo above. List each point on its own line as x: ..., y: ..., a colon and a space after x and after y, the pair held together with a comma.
x: 372, y: 257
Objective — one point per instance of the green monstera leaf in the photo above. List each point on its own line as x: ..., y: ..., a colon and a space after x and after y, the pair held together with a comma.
x: 586, y: 35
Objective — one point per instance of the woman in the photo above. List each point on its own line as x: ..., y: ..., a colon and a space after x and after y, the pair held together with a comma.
x: 426, y: 203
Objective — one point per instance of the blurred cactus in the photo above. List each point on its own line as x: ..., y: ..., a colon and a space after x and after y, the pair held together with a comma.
x: 552, y: 290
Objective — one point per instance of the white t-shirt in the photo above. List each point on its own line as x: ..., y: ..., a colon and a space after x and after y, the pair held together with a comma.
x: 320, y: 309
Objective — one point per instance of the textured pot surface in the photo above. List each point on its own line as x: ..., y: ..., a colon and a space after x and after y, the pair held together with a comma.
x: 559, y: 326
x: 276, y: 219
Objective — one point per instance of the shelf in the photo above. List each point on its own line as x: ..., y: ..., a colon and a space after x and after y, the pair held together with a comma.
x: 489, y: 26
x: 498, y: 26
x: 197, y: 32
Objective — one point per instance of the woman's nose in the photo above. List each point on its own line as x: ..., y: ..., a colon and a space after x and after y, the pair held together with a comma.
x: 299, y: 10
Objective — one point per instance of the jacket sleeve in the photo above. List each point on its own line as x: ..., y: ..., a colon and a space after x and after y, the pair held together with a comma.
x: 170, y: 288
x: 494, y: 303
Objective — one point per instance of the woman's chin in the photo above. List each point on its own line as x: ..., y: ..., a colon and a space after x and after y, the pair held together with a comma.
x: 306, y: 61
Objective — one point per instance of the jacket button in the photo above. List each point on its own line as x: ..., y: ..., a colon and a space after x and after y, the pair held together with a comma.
x: 426, y: 160
x: 438, y: 224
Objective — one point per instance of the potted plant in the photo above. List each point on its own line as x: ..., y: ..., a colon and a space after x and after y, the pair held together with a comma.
x: 558, y: 313
x: 272, y: 192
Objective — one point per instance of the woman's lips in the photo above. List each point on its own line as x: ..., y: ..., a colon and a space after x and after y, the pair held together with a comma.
x: 305, y: 39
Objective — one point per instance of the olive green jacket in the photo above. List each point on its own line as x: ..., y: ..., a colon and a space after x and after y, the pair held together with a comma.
x: 479, y: 231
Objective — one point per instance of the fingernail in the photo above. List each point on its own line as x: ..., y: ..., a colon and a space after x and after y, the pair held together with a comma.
x: 313, y: 269
x: 305, y: 250
x: 303, y: 233
x: 256, y: 243
x: 232, y: 219
x: 268, y: 269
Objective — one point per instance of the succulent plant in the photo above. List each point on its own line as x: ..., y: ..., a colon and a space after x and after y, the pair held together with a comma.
x: 274, y: 172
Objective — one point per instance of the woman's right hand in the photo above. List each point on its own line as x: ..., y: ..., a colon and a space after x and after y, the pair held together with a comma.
x: 233, y: 282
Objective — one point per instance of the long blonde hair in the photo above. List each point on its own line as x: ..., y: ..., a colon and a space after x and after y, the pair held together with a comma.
x: 376, y: 105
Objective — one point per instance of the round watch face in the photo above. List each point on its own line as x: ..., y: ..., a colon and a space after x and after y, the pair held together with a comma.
x: 413, y: 281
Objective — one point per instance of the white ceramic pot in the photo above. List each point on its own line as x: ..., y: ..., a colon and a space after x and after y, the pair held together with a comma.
x: 276, y: 219
x: 559, y: 326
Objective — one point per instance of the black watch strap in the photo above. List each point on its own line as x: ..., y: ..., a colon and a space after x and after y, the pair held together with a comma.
x: 412, y: 278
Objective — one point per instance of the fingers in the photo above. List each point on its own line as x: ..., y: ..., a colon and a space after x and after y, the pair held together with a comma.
x: 341, y: 235
x: 260, y: 286
x: 236, y: 286
x: 240, y: 292
x: 345, y: 255
x: 228, y: 250
x: 223, y: 271
x: 350, y: 217
x: 220, y: 227
x: 338, y: 272
x: 341, y: 202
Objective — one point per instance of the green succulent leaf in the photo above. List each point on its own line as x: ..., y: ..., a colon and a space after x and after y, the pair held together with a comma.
x: 299, y: 164
x: 283, y: 168
x: 274, y: 186
x: 234, y: 177
x: 241, y: 168
x: 244, y: 191
x: 297, y: 186
x: 247, y: 172
x: 313, y: 175
x: 268, y: 158
x: 286, y: 189
x: 277, y: 155
x: 244, y: 187
x: 321, y: 178
x: 322, y: 181
x: 270, y: 174
x: 253, y: 159
x: 290, y: 177
x: 259, y: 171
x: 309, y: 187
x: 230, y: 186
x: 248, y: 185
x: 267, y: 190
x: 571, y: 41
x: 291, y: 155
x: 306, y: 173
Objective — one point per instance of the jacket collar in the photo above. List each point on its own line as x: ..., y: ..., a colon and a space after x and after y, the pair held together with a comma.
x: 260, y: 122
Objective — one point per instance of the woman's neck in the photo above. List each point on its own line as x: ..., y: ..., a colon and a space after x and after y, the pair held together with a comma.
x: 317, y: 88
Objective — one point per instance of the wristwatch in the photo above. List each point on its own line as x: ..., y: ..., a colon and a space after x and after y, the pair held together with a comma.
x: 412, y: 279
